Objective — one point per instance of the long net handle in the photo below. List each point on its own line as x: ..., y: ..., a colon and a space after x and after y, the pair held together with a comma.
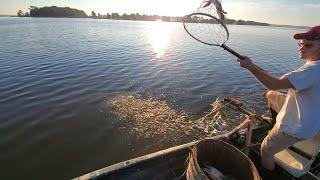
x: 225, y: 47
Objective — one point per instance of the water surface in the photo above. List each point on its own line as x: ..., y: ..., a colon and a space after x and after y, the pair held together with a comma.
x: 58, y: 78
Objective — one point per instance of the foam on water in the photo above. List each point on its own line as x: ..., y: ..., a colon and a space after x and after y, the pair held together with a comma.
x: 150, y: 118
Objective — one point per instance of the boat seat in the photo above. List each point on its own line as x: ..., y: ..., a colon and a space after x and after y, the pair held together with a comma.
x: 298, y: 158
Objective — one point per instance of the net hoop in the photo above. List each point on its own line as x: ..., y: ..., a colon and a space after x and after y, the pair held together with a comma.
x: 210, y: 16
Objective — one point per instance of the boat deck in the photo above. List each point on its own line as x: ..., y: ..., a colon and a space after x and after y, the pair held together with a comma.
x: 171, y: 164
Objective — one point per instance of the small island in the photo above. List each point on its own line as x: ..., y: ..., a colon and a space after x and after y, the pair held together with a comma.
x: 53, y: 11
x: 67, y: 12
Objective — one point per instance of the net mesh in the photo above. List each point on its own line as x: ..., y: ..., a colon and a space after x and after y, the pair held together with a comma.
x: 206, y: 29
x: 208, y: 8
x: 206, y: 24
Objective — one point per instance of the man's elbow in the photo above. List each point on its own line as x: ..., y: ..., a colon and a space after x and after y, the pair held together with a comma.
x: 282, y: 83
x: 274, y: 88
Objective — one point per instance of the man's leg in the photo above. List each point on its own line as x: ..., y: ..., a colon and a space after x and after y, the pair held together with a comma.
x: 267, y: 160
x: 275, y: 102
x: 275, y: 142
x: 275, y: 99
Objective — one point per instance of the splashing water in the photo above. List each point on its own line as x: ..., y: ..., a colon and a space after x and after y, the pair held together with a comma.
x: 222, y: 120
x: 149, y: 118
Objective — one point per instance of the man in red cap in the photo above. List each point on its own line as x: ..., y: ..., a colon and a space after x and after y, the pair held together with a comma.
x: 298, y: 111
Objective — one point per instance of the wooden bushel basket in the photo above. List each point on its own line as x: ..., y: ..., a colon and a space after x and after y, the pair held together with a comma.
x: 222, y: 156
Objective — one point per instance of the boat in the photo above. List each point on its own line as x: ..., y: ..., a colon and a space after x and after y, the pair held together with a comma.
x: 171, y: 163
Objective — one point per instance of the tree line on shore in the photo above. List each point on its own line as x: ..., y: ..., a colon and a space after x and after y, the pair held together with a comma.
x: 55, y: 11
x: 52, y: 11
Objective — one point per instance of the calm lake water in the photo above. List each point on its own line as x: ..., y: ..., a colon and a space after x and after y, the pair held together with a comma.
x: 58, y: 78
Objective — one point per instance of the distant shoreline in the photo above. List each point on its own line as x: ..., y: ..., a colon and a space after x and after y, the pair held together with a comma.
x: 67, y: 12
x: 273, y: 25
x: 8, y: 16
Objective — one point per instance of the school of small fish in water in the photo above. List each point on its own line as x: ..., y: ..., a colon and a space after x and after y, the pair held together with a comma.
x: 150, y: 118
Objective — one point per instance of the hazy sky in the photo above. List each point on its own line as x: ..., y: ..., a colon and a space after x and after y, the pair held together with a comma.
x: 291, y: 12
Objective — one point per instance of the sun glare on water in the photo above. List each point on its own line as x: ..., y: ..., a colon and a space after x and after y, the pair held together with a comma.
x: 159, y: 35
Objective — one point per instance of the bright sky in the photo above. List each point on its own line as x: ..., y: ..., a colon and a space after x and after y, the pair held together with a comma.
x: 286, y: 12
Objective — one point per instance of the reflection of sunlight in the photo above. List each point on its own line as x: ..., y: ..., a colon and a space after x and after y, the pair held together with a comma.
x: 159, y: 34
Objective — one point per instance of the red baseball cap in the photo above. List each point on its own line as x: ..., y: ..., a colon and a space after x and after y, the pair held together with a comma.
x: 312, y: 34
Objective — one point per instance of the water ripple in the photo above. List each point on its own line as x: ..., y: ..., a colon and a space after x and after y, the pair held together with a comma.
x: 57, y: 77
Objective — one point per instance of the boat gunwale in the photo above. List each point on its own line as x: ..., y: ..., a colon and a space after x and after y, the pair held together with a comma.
x: 135, y: 161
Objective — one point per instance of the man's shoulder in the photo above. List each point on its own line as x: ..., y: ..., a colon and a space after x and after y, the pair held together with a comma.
x: 313, y: 64
x: 309, y: 68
